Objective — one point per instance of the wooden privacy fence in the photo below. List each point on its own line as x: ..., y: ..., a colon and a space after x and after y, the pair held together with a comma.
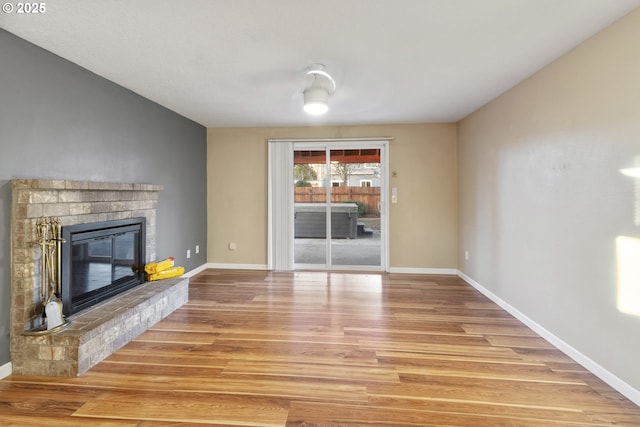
x: 368, y: 196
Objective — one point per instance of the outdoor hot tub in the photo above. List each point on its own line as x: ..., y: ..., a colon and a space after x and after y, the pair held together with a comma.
x: 310, y: 220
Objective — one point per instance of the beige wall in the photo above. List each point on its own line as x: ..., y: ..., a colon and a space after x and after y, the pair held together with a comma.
x: 423, y: 227
x: 542, y: 199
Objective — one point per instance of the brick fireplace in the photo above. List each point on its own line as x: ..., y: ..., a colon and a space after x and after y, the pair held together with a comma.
x: 92, y: 334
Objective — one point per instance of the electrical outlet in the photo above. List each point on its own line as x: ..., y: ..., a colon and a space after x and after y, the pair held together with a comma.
x: 197, y: 249
x: 188, y: 253
x: 466, y: 255
x: 233, y: 246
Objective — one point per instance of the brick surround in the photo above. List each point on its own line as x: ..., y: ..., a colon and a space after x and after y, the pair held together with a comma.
x: 95, y: 333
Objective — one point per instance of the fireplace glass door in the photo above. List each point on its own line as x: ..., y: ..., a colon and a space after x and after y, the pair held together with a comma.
x: 101, y: 262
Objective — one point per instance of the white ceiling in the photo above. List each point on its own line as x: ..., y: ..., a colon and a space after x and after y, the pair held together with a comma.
x: 242, y: 62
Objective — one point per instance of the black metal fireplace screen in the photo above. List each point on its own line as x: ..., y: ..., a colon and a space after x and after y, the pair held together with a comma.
x: 101, y: 260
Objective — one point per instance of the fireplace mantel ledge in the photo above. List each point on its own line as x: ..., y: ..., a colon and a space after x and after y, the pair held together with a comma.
x: 57, y: 184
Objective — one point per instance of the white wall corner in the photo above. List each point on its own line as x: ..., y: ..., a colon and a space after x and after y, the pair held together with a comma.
x: 621, y: 386
x: 5, y: 370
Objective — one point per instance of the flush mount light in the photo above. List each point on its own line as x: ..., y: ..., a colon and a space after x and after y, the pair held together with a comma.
x: 319, y: 86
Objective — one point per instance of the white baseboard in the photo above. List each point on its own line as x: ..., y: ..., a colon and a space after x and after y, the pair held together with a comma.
x: 423, y: 270
x: 229, y: 266
x: 236, y: 266
x: 195, y: 271
x: 5, y: 370
x: 627, y: 390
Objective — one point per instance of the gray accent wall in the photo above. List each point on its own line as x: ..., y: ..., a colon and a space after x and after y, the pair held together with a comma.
x: 60, y: 121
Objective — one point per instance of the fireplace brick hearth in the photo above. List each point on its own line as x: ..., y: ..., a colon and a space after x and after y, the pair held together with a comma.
x: 95, y: 333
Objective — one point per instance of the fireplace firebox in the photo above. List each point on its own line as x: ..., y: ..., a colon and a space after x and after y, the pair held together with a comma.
x: 100, y: 260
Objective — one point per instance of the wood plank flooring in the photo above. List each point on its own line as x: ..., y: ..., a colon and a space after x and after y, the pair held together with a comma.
x: 326, y: 349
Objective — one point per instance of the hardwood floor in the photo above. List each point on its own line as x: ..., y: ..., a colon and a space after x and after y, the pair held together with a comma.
x: 326, y: 349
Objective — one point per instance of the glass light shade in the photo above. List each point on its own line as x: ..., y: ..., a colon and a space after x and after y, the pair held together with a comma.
x: 316, y: 100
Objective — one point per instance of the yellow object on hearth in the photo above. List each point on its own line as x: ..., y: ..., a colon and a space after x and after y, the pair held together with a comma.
x: 156, y: 267
x: 167, y: 273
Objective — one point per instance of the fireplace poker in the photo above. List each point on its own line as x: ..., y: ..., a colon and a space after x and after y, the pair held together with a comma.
x: 41, y: 240
x: 59, y: 242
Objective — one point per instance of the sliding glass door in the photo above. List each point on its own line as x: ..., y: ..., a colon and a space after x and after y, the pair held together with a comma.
x: 339, y: 206
x: 310, y: 207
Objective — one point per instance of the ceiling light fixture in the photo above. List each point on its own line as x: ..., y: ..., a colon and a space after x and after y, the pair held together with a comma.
x: 319, y: 86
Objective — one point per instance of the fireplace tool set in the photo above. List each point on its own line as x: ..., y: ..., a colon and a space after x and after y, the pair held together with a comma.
x: 49, y: 238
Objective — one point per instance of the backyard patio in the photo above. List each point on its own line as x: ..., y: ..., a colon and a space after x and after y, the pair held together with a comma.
x: 362, y: 251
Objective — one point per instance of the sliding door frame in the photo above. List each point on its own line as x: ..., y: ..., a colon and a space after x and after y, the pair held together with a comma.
x: 281, y: 204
